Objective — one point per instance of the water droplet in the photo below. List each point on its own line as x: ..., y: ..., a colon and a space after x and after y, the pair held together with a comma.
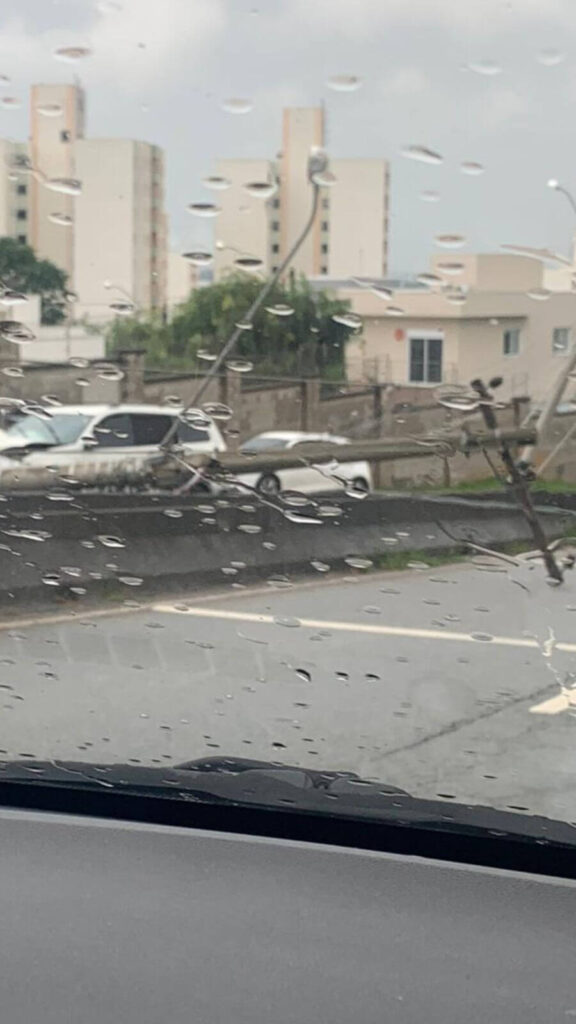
x: 390, y: 541
x: 450, y: 241
x: 290, y: 623
x: 248, y: 263
x: 237, y: 106
x: 250, y: 528
x: 350, y: 320
x: 447, y: 267
x: 51, y: 579
x: 208, y: 357
x: 131, y: 581
x: 214, y: 181
x: 372, y: 609
x: 82, y: 382
x: 12, y: 371
x: 429, y: 279
x: 550, y: 58
x: 300, y: 519
x: 395, y: 311
x: 484, y: 67
x: 63, y: 219
x: 16, y: 332
x: 239, y: 365
x: 471, y: 168
x: 198, y: 258
x: 108, y: 541
x: 111, y: 373
x: 423, y: 154
x: 204, y: 209
x: 304, y: 675
x: 65, y: 186
x: 172, y: 513
x: 71, y: 54
x: 122, y: 307
x: 539, y: 294
x: 280, y: 310
x: 319, y: 566
x: 484, y: 637
x: 261, y: 189
x: 429, y: 196
x: 217, y: 411
x: 344, y: 83
x: 49, y: 109
x: 382, y: 293
x: 418, y: 565
x: 9, y: 297
x: 358, y: 563
x: 325, y: 178
x: 10, y: 102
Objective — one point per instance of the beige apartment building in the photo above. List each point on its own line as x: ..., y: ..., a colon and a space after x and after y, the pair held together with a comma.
x: 499, y: 320
x: 113, y: 231
x: 350, y: 233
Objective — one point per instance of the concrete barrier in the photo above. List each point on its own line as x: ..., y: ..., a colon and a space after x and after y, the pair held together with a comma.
x: 56, y: 545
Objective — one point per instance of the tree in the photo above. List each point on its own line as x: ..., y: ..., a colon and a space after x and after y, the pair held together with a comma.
x: 21, y: 269
x: 307, y: 342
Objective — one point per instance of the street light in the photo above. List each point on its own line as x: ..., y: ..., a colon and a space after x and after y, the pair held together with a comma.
x: 555, y: 184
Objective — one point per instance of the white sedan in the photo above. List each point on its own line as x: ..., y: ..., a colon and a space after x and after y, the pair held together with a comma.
x: 327, y: 476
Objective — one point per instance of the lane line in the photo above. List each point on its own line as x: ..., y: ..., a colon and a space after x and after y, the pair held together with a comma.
x: 358, y: 627
x: 553, y: 706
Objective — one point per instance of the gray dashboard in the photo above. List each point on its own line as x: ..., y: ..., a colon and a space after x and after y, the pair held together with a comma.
x: 137, y: 924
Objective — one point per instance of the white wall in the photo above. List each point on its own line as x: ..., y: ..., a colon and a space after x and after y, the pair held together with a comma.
x: 358, y: 219
x: 243, y: 223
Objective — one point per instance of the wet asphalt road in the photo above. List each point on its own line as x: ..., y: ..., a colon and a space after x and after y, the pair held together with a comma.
x: 444, y: 681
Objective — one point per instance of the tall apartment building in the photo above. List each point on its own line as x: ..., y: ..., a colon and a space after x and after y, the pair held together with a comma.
x: 114, y: 230
x: 350, y: 234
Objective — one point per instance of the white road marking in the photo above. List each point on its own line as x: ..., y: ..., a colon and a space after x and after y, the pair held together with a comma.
x: 555, y: 705
x: 358, y: 627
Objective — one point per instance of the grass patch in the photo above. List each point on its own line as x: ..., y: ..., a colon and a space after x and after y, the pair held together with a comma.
x: 491, y: 484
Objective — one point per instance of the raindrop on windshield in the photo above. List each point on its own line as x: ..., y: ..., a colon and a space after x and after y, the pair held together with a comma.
x: 395, y: 311
x: 539, y: 294
x: 450, y: 241
x: 208, y: 357
x: 280, y: 310
x: 198, y: 258
x: 204, y: 209
x: 71, y: 54
x: 550, y: 58
x: 65, y: 186
x: 131, y: 581
x: 214, y: 181
x: 350, y: 320
x: 240, y: 365
x: 485, y: 67
x: 63, y: 219
x: 218, y: 411
x: 15, y: 331
x: 8, y: 297
x: 429, y: 196
x: 172, y: 513
x: 111, y: 373
x: 261, y: 189
x: 250, y: 528
x: 344, y: 83
x: 358, y: 563
x: 429, y: 279
x: 471, y: 168
x: 320, y: 566
x: 49, y: 109
x: 109, y: 541
x: 382, y: 293
x: 237, y: 106
x: 423, y: 154
x: 304, y: 675
x: 450, y: 268
x: 290, y: 623
x: 248, y: 263
x: 122, y: 307
x: 10, y: 102
x: 12, y: 371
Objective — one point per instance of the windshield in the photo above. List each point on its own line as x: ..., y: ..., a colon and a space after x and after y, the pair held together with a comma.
x: 305, y: 218
x: 55, y: 429
x: 256, y: 444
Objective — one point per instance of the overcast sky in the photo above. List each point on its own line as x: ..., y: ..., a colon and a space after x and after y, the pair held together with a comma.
x: 160, y: 69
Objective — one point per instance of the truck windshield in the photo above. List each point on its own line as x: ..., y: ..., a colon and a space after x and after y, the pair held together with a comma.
x: 61, y: 428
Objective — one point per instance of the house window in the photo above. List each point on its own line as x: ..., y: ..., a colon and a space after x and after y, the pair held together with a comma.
x: 561, y: 338
x: 22, y: 215
x: 323, y: 270
x: 425, y: 360
x: 324, y: 248
x: 325, y: 204
x: 275, y: 225
x: 274, y: 269
x: 65, y: 136
x: 22, y: 190
x: 22, y: 239
x: 511, y: 341
x: 324, y: 225
x: 276, y: 204
x: 275, y: 248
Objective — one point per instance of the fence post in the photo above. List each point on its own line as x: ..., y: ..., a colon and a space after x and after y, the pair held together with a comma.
x: 132, y: 361
x: 309, y: 404
x: 230, y: 394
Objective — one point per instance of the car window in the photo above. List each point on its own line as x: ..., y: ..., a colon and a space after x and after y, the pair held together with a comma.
x: 148, y: 428
x: 188, y: 434
x: 114, y: 431
x: 60, y: 428
x: 260, y: 444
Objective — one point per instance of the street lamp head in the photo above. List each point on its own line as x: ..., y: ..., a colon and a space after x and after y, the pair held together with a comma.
x: 553, y: 183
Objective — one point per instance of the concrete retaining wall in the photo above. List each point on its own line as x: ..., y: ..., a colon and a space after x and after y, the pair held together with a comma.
x: 170, y: 543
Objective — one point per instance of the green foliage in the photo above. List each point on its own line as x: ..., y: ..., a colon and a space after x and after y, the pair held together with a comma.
x: 21, y: 269
x: 308, y: 343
